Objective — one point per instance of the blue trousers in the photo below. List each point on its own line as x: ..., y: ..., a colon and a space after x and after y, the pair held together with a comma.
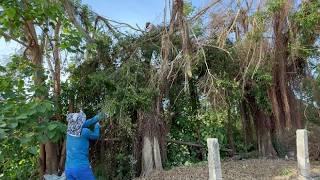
x: 81, y: 173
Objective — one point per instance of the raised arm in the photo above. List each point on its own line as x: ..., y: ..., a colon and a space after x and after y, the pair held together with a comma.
x: 93, y: 135
x: 91, y: 121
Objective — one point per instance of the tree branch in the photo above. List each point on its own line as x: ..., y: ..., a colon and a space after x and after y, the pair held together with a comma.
x: 204, y: 10
x: 70, y: 11
x: 7, y: 36
x: 185, y: 143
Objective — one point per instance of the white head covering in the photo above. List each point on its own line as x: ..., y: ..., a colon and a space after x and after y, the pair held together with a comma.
x: 75, y: 122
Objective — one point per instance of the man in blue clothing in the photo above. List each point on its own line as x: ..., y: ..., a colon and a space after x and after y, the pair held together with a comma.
x: 77, y: 145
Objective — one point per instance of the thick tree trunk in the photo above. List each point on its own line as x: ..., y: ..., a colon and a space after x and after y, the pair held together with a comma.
x: 264, y: 128
x: 51, y: 158
x: 263, y: 131
x: 42, y: 161
x: 147, y: 156
x: 153, y: 139
x: 62, y: 157
x: 281, y: 57
x: 285, y: 109
x: 276, y: 110
x: 151, y: 156
x: 50, y: 163
x: 246, y: 123
x: 48, y: 152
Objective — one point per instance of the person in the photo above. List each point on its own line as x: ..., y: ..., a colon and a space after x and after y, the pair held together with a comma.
x: 77, y: 166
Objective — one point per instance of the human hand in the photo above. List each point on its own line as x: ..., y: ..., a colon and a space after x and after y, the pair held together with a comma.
x: 102, y: 116
x: 97, y: 125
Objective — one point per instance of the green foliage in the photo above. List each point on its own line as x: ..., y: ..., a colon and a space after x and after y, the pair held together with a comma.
x: 275, y: 5
x: 15, y: 13
x: 71, y: 39
x: 24, y: 120
x: 130, y: 91
x: 307, y: 19
x: 117, y: 74
x: 263, y: 81
x: 260, y: 20
x: 188, y: 9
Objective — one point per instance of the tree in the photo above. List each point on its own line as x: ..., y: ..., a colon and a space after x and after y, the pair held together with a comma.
x: 20, y: 22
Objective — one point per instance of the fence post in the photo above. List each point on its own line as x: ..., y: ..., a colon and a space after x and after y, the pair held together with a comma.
x: 303, y: 154
x: 214, y: 164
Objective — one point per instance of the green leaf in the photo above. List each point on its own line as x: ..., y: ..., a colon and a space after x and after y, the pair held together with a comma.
x: 43, y: 138
x: 51, y: 134
x: 52, y: 126
x: 11, y: 12
x: 2, y: 134
x: 32, y: 150
x: 25, y: 140
x: 3, y: 124
x: 22, y: 116
x: 30, y: 135
x: 13, y: 125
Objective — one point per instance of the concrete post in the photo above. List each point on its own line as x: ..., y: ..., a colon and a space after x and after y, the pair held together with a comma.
x: 303, y: 154
x: 214, y: 164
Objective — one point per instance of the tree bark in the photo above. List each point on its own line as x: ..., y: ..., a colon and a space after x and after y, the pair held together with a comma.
x: 275, y: 109
x: 57, y: 68
x: 229, y: 129
x: 285, y: 109
x: 51, y: 158
x: 153, y: 139
x: 246, y: 123
x: 280, y: 56
x: 263, y: 127
x: 62, y: 158
x: 48, y: 151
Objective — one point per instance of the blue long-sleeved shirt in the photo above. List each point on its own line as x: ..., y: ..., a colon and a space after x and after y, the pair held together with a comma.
x: 77, y: 148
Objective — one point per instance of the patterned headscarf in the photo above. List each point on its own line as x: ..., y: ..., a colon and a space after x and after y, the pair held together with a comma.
x: 75, y: 122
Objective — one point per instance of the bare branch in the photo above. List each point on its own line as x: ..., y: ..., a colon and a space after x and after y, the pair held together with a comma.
x: 69, y: 7
x: 204, y: 10
x: 7, y: 36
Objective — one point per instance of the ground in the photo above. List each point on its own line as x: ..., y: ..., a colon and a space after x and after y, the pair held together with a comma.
x: 241, y: 169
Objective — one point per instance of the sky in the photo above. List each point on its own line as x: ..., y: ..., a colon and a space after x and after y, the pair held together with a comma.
x: 134, y: 11
x: 129, y: 11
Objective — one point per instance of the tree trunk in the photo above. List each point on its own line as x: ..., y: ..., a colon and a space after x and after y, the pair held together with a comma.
x: 62, y: 158
x: 246, y: 123
x: 57, y: 71
x: 42, y: 161
x: 153, y: 139
x: 275, y: 109
x: 263, y: 127
x: 263, y: 131
x: 195, y: 104
x: 48, y: 152
x: 147, y: 157
x: 281, y: 47
x: 51, y: 158
x: 286, y: 112
x: 229, y: 128
x: 57, y: 88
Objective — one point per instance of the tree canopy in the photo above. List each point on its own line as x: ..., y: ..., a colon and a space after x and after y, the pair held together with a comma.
x: 247, y: 74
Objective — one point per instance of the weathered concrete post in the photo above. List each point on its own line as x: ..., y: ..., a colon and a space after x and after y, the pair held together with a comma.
x: 214, y: 164
x: 303, y: 154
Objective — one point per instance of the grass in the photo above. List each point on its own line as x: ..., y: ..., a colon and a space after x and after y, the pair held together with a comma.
x: 286, y: 172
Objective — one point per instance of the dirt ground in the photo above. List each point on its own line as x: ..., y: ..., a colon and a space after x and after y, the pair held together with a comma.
x: 240, y: 169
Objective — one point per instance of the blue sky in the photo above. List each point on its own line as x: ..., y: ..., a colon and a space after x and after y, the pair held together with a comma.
x: 129, y: 11
x: 134, y: 11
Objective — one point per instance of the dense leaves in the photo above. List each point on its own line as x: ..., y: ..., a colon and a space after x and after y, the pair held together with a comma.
x: 227, y: 92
